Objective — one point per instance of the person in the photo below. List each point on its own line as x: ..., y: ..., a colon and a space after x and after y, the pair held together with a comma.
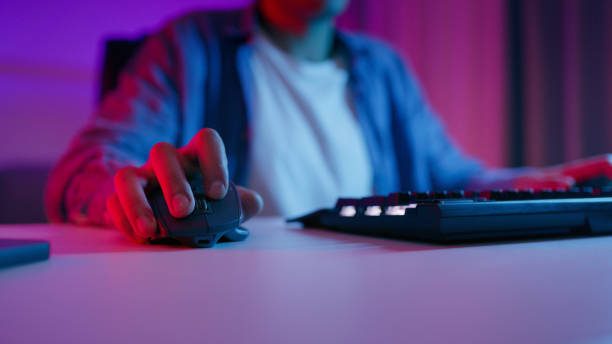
x: 274, y: 98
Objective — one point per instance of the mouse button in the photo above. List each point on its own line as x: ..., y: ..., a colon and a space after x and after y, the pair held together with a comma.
x: 160, y: 208
x: 198, y: 192
x: 201, y: 206
x: 160, y: 211
x: 227, y: 208
x: 196, y: 182
x: 189, y: 226
x: 200, y: 224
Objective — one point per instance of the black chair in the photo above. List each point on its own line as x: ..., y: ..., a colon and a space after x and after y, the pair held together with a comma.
x: 117, y: 54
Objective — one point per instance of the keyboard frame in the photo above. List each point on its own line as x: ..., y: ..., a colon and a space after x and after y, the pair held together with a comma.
x: 465, y: 220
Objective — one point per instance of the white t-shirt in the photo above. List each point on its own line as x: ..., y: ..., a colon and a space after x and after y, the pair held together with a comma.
x: 307, y: 147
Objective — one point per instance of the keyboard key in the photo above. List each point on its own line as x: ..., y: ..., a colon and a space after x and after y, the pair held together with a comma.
x: 440, y: 195
x: 348, y: 211
x: 399, y: 210
x: 425, y: 196
x: 373, y: 210
x: 373, y: 200
x: 398, y: 198
x: 341, y: 202
x: 457, y: 194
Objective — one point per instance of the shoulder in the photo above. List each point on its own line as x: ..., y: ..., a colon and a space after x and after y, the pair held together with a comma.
x: 188, y: 38
x: 219, y: 22
x: 373, y: 51
x: 380, y: 60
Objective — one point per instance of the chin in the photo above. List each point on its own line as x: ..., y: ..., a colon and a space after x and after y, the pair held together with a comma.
x: 302, y: 10
x: 332, y: 8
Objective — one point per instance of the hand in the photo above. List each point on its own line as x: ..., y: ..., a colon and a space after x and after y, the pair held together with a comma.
x: 568, y: 174
x: 168, y: 167
x: 585, y: 169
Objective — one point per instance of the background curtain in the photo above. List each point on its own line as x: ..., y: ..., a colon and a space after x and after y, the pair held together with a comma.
x: 563, y: 80
x: 457, y: 49
x: 518, y: 82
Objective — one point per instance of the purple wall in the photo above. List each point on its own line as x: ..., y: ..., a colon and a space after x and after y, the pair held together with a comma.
x: 50, y: 52
x: 48, y: 65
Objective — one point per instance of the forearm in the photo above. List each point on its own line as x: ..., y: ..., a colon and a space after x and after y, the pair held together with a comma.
x: 523, y: 178
x: 499, y: 178
x: 79, y: 185
x: 86, y: 194
x: 584, y: 169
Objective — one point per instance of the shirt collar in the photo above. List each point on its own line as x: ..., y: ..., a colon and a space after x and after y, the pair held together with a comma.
x: 242, y: 25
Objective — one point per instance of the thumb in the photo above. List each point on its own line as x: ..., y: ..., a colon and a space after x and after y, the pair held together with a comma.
x: 251, y: 202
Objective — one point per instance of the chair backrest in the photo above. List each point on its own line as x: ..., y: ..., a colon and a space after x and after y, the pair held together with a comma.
x: 117, y: 54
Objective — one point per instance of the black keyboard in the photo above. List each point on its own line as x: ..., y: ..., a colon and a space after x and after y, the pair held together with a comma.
x: 459, y: 216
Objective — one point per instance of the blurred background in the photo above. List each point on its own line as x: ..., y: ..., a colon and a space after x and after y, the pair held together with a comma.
x: 517, y: 82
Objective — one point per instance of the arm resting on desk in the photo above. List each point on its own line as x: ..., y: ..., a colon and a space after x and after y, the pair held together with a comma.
x: 142, y: 111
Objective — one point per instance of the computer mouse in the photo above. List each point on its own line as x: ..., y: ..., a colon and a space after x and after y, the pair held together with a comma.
x: 210, y: 221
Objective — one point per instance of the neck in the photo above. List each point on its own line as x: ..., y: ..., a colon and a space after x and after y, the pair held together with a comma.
x: 314, y: 43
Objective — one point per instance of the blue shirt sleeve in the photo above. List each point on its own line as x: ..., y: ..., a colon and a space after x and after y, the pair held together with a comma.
x: 143, y: 110
x: 426, y: 154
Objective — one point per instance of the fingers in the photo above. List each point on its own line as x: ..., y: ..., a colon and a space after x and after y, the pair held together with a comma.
x: 208, y: 149
x: 251, y: 202
x: 607, y: 161
x: 129, y: 186
x: 589, y: 168
x: 169, y: 171
x: 557, y: 182
x: 129, y: 209
x: 119, y: 219
x: 544, y: 181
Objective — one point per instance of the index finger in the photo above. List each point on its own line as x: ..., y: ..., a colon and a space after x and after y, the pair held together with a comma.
x: 208, y: 148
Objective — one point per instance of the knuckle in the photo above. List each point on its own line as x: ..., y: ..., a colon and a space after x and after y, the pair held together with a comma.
x: 175, y: 183
x: 124, y: 175
x: 143, y: 209
x: 210, y: 133
x: 207, y: 136
x: 159, y: 149
x: 110, y: 201
x: 198, y: 139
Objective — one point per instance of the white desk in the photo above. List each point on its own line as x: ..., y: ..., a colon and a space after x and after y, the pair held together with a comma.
x: 287, y: 285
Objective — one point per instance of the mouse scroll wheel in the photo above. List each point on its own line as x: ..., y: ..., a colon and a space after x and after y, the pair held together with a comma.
x: 201, y: 206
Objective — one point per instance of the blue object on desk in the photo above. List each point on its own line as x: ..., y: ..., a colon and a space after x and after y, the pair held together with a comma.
x: 18, y: 251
